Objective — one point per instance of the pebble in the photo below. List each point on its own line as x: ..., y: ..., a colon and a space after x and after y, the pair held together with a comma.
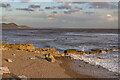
x: 9, y: 60
x: 96, y: 63
x: 32, y: 58
x: 13, y: 54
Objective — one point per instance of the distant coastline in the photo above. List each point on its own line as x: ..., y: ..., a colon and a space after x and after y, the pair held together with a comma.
x: 13, y: 26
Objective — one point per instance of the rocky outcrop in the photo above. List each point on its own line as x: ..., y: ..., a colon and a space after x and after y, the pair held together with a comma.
x: 73, y: 51
x: 49, y: 58
x: 70, y: 51
x: 26, y: 47
x: 92, y: 51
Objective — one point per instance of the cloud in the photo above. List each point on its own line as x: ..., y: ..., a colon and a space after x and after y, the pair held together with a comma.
x: 50, y: 16
x: 111, y: 18
x: 25, y: 9
x: 109, y: 15
x: 9, y: 9
x: 25, y: 1
x: 79, y: 2
x: 53, y: 7
x: 34, y: 6
x: 30, y: 7
x: 109, y: 5
x: 89, y: 13
x: 6, y: 19
x: 55, y: 12
x: 75, y: 9
x: 66, y: 6
x: 5, y: 5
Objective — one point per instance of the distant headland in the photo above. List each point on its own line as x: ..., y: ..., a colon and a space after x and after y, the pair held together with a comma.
x: 14, y: 26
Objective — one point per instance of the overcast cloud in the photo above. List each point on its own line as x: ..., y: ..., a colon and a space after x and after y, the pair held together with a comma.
x: 62, y: 15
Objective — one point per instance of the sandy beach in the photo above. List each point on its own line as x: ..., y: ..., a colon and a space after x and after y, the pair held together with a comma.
x: 31, y: 65
x: 57, y: 39
x: 36, y: 68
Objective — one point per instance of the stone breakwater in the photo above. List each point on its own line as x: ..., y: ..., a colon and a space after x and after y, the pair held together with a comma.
x: 50, y: 54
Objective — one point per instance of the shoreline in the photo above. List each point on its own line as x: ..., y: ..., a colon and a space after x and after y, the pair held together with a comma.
x: 37, y: 68
x: 62, y: 68
x: 83, y: 69
x: 25, y: 60
x: 68, y: 70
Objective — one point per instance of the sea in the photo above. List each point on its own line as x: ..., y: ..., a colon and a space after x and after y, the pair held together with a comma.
x: 63, y: 39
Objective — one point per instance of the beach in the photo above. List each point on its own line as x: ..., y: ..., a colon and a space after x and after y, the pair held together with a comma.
x: 22, y: 65
x: 26, y: 49
x: 36, y: 68
x: 59, y: 39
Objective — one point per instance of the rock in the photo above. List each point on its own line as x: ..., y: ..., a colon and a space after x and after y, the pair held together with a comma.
x: 103, y: 51
x: 13, y: 54
x: 22, y: 77
x: 87, y: 52
x: 80, y: 52
x: 99, y: 57
x: 45, y: 49
x: 3, y: 48
x: 62, y: 54
x: 9, y: 60
x: 57, y: 55
x: 26, y: 47
x: 4, y: 70
x: 32, y: 58
x: 57, y: 52
x: 52, y: 60
x: 70, y: 51
x: 36, y: 51
x: 115, y: 50
x: 52, y: 49
x: 96, y: 63
x: 49, y: 57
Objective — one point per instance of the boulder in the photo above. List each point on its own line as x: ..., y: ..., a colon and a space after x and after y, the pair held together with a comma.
x: 87, y: 52
x: 62, y: 54
x: 94, y: 51
x: 80, y: 52
x: 49, y: 58
x: 70, y: 51
x: 103, y: 51
x: 52, y: 49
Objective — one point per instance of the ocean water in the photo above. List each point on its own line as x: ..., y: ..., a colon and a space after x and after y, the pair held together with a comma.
x: 62, y: 40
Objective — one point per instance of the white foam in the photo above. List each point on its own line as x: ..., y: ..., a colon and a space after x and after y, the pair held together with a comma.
x: 109, y: 63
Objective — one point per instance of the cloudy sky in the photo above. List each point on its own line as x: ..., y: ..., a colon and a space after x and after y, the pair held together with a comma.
x: 61, y: 14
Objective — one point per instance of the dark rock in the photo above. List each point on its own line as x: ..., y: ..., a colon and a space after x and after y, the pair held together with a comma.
x: 70, y: 51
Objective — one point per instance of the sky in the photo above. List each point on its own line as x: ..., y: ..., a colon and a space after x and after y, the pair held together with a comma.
x: 55, y: 14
